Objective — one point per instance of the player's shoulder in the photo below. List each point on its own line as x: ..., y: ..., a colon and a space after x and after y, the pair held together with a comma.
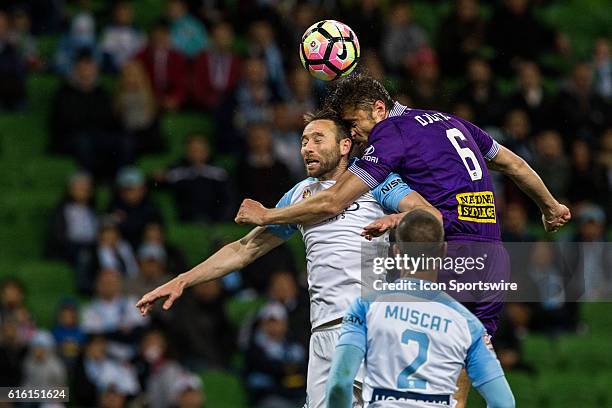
x: 300, y: 190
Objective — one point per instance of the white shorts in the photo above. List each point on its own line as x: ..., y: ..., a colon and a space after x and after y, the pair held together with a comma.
x: 322, y: 347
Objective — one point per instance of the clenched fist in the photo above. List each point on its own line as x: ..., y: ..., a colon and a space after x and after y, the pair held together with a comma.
x: 251, y: 212
x: 555, y: 218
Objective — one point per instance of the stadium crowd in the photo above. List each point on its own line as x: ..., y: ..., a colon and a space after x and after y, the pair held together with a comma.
x: 237, y: 63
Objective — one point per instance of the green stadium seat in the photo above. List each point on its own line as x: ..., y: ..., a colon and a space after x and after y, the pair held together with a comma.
x: 223, y: 390
x: 178, y: 125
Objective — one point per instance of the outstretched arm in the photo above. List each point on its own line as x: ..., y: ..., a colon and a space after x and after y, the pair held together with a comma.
x: 321, y: 206
x: 554, y: 214
x: 231, y: 257
x: 345, y: 364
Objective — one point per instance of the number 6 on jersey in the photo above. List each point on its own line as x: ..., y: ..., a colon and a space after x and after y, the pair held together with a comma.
x: 465, y: 153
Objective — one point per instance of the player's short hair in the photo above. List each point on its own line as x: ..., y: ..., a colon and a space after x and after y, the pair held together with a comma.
x: 342, y: 130
x: 420, y: 233
x: 357, y: 91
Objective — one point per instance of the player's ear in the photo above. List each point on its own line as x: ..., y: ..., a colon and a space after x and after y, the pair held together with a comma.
x: 379, y: 109
x: 345, y: 146
x: 395, y: 249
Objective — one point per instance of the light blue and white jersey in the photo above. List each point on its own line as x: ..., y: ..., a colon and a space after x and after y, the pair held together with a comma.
x: 415, y: 345
x: 333, y: 247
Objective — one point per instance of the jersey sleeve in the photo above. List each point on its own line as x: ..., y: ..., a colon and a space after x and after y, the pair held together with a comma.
x: 353, y: 329
x: 391, y: 192
x: 486, y: 144
x: 383, y: 155
x: 481, y: 362
x: 284, y: 231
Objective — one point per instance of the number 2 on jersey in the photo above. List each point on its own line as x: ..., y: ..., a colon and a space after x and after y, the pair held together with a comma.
x: 465, y: 153
x: 404, y: 380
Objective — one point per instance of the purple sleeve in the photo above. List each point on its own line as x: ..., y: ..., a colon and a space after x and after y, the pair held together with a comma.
x: 383, y: 155
x: 487, y: 146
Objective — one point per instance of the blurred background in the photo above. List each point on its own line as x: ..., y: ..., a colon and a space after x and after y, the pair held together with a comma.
x: 131, y: 130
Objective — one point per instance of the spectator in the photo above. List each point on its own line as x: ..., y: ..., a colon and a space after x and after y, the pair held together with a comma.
x: 515, y: 226
x: 12, y: 70
x: 152, y: 262
x: 120, y: 39
x: 216, y: 71
x: 200, y: 328
x: 581, y: 111
x: 275, y: 371
x: 461, y: 35
x: 588, y: 179
x: 188, y: 33
x: 551, y: 164
x: 13, y: 308
x: 131, y: 206
x: 515, y: 34
x: 112, y: 314
x: 154, y: 234
x: 136, y: 108
x: 42, y: 368
x: 83, y: 125
x: 286, y: 139
x: 159, y: 372
x: 112, y: 253
x: 263, y: 45
x: 68, y: 334
x: 112, y: 397
x: 402, y: 38
x: 79, y: 40
x: 254, y: 96
x: 605, y: 161
x: 96, y: 373
x: 425, y: 90
x: 201, y: 190
x: 187, y: 392
x: 283, y: 288
x: 73, y: 226
x: 366, y: 19
x: 517, y: 134
x: 165, y: 67
x: 12, y: 353
x: 481, y: 93
x: 595, y: 258
x: 261, y: 176
x: 602, y: 63
x: 531, y: 96
x: 24, y: 41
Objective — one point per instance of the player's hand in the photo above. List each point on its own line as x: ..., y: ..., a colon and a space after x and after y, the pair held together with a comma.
x: 557, y: 217
x: 172, y: 290
x: 381, y: 225
x: 251, y: 212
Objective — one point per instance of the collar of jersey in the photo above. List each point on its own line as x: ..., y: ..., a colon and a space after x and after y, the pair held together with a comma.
x: 397, y: 110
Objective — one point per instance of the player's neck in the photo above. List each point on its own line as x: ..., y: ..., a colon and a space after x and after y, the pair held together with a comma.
x: 336, y: 172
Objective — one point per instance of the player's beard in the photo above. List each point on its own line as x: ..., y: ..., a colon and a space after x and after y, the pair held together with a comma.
x: 328, y: 162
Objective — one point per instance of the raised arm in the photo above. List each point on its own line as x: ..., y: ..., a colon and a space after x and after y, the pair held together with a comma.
x: 231, y: 257
x: 319, y: 207
x: 554, y: 214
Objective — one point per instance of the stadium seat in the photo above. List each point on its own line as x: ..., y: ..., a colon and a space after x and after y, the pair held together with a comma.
x: 223, y: 390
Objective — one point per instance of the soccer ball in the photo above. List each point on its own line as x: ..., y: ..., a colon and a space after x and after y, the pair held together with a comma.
x: 329, y: 50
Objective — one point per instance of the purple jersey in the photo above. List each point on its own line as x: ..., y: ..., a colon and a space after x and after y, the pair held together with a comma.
x: 442, y: 157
